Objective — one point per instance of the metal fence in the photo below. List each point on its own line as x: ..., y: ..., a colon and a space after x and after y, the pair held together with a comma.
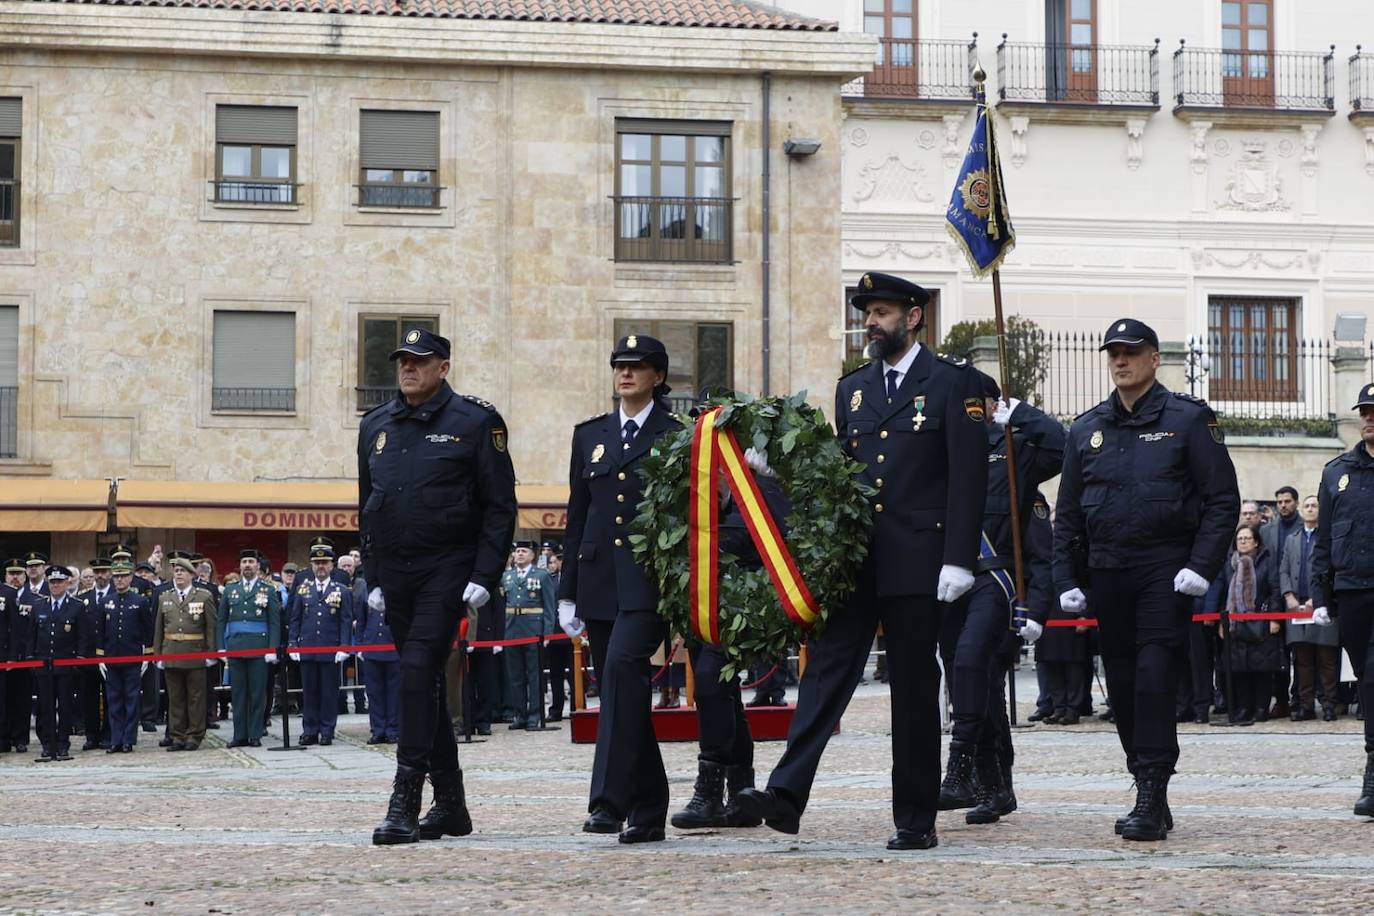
x: 255, y: 192
x: 369, y: 396
x: 907, y: 68
x: 271, y: 399
x: 1076, y: 375
x: 413, y: 196
x: 1286, y: 80
x: 674, y: 229
x: 1078, y: 74
x: 9, y: 212
x: 9, y: 422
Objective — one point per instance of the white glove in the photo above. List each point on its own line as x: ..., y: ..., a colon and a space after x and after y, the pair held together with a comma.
x: 1031, y: 631
x: 340, y: 657
x: 1321, y: 617
x: 142, y: 669
x: 1190, y: 583
x: 376, y: 600
x: 955, y: 581
x: 270, y: 658
x: 568, y: 620
x: 295, y: 656
x: 209, y: 663
x: 1002, y: 415
x: 758, y: 461
x: 104, y: 672
x: 497, y: 650
x: 160, y: 666
x: 1073, y: 601
x: 476, y: 595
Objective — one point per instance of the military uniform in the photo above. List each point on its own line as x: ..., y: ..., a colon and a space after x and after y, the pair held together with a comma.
x: 16, y: 701
x: 1343, y: 572
x: 183, y: 624
x: 249, y: 618
x: 381, y: 672
x: 124, y: 627
x: 530, y: 598
x: 1151, y: 493
x: 57, y: 635
x: 921, y: 440
x: 618, y: 602
x: 321, y: 614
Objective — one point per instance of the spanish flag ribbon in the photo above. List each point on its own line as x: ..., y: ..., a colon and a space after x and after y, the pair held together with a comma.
x: 714, y: 450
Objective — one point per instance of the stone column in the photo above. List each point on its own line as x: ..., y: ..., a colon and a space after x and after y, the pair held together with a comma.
x: 1173, y: 365
x: 984, y: 356
x: 1348, y: 376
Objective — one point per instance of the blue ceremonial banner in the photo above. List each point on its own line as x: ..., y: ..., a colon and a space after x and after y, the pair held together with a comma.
x: 978, y: 216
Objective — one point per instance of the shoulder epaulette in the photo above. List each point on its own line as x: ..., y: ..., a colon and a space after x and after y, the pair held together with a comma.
x: 479, y: 402
x: 600, y: 416
x: 1191, y: 399
x: 958, y: 361
x: 1086, y: 412
x: 1341, y: 457
x: 858, y: 368
x: 386, y: 403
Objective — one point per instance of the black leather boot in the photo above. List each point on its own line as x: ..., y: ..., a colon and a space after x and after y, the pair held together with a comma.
x: 402, y: 815
x: 988, y: 787
x: 1006, y: 797
x: 1151, y: 805
x: 960, y: 788
x: 1365, y: 806
x: 706, y: 808
x: 448, y: 816
x: 737, y: 778
x: 1121, y: 821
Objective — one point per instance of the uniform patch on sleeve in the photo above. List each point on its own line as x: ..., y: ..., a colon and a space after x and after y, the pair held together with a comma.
x: 974, y: 408
x: 1214, y: 430
x: 498, y: 439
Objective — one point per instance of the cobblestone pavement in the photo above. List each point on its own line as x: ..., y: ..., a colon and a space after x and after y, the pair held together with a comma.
x: 1263, y: 815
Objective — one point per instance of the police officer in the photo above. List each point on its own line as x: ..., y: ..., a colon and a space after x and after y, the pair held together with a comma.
x: 437, y: 508
x: 381, y: 669
x: 16, y: 686
x: 1149, y: 490
x: 321, y: 614
x: 530, y: 598
x: 1343, y: 570
x: 36, y: 574
x: 915, y: 420
x: 602, y: 584
x: 981, y: 620
x: 185, y: 623
x: 89, y: 680
x: 124, y: 627
x: 249, y: 618
x: 57, y: 635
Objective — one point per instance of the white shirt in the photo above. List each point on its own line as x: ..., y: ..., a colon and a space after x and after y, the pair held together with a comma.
x: 639, y: 418
x: 181, y: 596
x: 903, y: 366
x: 248, y: 583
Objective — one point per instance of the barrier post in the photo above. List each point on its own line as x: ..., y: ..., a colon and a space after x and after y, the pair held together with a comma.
x: 801, y: 661
x: 579, y: 697
x: 283, y: 676
x: 691, y: 685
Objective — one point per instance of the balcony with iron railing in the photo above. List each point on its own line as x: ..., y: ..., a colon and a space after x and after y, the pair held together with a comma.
x: 674, y: 229
x: 1361, y: 85
x: 919, y: 70
x: 370, y: 396
x: 1078, y: 76
x: 1209, y: 80
x: 270, y: 400
x: 9, y: 213
x: 399, y: 195
x: 9, y: 422
x: 239, y: 191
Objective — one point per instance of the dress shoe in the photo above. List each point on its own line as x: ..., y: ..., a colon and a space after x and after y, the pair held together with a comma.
x: 913, y: 839
x: 91, y: 746
x: 1069, y: 718
x: 254, y: 742
x: 777, y: 812
x: 1038, y: 716
x: 1278, y: 712
x: 376, y: 739
x: 165, y: 742
x: 1201, y: 719
x: 45, y: 757
x: 1328, y: 714
x: 392, y: 739
x: 114, y: 749
x: 326, y: 740
x: 554, y: 716
x: 484, y: 730
x: 238, y: 742
x: 212, y: 725
x: 516, y: 726
x: 176, y: 747
x: 64, y: 754
x: 192, y: 746
x: 601, y: 820
x: 307, y: 740
x: 21, y: 748
x: 639, y: 833
x: 147, y: 726
x: 126, y: 748
x: 1053, y: 719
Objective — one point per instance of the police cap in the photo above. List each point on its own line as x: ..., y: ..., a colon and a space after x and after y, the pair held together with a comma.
x: 14, y: 564
x: 250, y: 553
x: 1130, y: 332
x: 183, y: 563
x: 144, y: 565
x: 637, y: 348
x: 528, y: 545
x: 99, y: 563
x: 874, y: 286
x: 122, y: 568
x: 34, y: 558
x: 1366, y: 397
x: 58, y: 572
x: 122, y: 552
x: 422, y: 342
x: 291, y: 567
x: 319, y: 552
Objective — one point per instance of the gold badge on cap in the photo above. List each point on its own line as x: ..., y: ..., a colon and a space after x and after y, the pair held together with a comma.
x: 867, y: 282
x: 1343, y: 483
x: 381, y: 442
x: 855, y: 399
x: 1121, y: 327
x: 598, y: 452
x: 1096, y: 439
x: 412, y: 337
x: 631, y: 342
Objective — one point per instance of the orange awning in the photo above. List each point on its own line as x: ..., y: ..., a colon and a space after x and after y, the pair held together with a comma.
x: 300, y: 506
x: 54, y: 505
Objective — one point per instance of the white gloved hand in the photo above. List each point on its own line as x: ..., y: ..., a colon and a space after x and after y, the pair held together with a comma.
x: 476, y: 595
x: 295, y: 656
x: 1073, y: 601
x: 376, y: 600
x: 340, y: 657
x: 142, y: 669
x: 497, y: 650
x: 758, y: 461
x: 270, y: 658
x: 1190, y: 583
x: 160, y: 666
x: 104, y: 671
x: 1321, y: 617
x: 568, y: 619
x: 209, y: 663
x: 1031, y: 631
x: 1002, y: 415
x: 955, y: 581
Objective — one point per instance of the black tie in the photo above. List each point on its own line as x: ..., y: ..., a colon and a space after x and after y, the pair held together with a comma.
x: 627, y: 435
x: 891, y: 384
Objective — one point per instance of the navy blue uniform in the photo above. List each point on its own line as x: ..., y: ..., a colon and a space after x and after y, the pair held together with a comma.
x: 1148, y: 492
x: 89, y: 687
x: 381, y: 671
x: 924, y: 453
x: 319, y: 616
x: 18, y: 684
x: 618, y: 602
x: 436, y: 495
x: 57, y: 634
x: 1343, y: 565
x: 124, y: 627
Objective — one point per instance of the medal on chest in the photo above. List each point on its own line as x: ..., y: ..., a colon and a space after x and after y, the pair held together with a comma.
x: 919, y: 419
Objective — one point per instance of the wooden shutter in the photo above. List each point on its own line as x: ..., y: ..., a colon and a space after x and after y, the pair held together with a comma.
x: 9, y: 346
x: 399, y: 140
x: 255, y: 124
x: 255, y: 350
x: 10, y: 111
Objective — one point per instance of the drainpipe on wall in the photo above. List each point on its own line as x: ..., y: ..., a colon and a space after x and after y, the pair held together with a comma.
x: 767, y: 224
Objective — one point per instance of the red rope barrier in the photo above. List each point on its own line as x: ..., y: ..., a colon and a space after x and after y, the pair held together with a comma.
x: 1197, y: 618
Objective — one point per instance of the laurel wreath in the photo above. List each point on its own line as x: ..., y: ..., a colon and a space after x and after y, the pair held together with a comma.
x: 827, y: 531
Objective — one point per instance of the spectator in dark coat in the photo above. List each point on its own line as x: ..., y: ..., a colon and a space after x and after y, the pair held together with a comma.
x: 1255, y: 647
x: 1316, y: 650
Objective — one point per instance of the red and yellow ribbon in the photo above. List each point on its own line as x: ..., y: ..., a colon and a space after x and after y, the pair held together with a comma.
x: 714, y: 450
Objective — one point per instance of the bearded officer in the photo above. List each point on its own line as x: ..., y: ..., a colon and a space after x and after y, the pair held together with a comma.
x: 437, y: 508
x: 1343, y: 569
x: 915, y: 421
x: 249, y: 618
x: 321, y: 614
x: 1149, y: 491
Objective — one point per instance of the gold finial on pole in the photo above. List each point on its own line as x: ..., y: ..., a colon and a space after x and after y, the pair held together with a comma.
x: 980, y: 76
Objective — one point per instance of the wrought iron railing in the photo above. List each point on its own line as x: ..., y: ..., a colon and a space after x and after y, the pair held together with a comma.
x: 9, y: 422
x: 1280, y: 80
x: 237, y: 191
x: 681, y: 403
x: 266, y: 399
x: 925, y: 69
x: 674, y: 229
x: 414, y: 196
x: 1076, y: 376
x: 369, y: 396
x: 1361, y: 81
x: 1078, y: 74
x: 9, y: 212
